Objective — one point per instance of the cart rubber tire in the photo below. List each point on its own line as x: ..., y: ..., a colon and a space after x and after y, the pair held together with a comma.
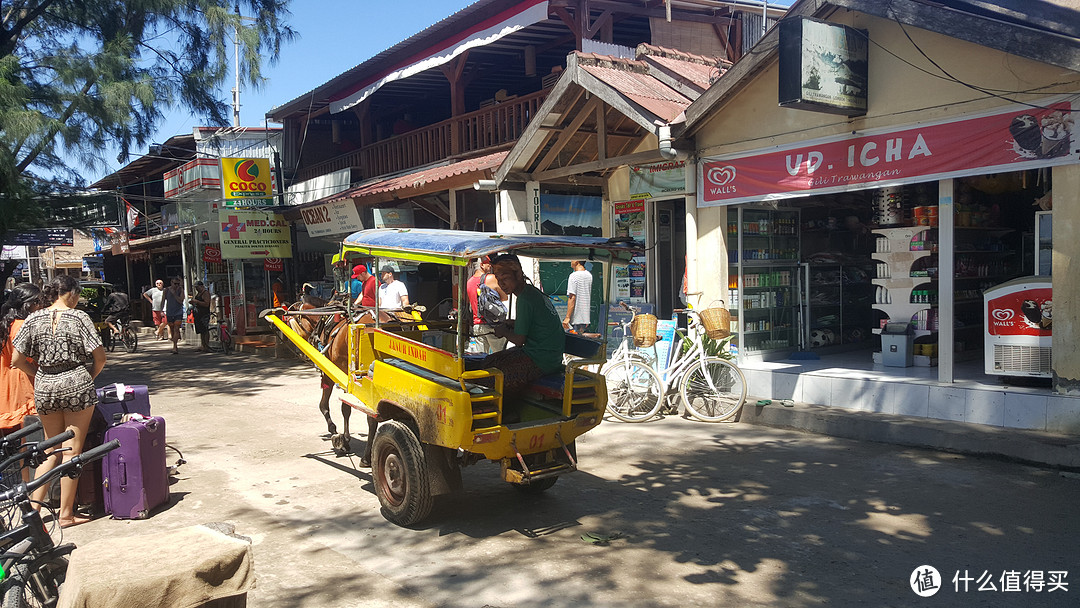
x: 536, y: 487
x: 400, y: 473
x: 634, y: 390
x: 717, y: 400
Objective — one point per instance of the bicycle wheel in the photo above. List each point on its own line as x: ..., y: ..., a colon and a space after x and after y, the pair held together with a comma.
x: 634, y: 390
x: 107, y: 340
x: 226, y: 342
x: 33, y: 589
x: 131, y: 339
x: 713, y: 390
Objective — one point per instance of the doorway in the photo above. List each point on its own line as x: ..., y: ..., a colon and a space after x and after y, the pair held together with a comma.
x: 667, y: 262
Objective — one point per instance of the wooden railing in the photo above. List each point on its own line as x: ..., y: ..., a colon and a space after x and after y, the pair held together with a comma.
x: 488, y: 127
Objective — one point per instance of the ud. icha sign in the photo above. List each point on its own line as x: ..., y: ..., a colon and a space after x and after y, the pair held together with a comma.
x: 246, y: 181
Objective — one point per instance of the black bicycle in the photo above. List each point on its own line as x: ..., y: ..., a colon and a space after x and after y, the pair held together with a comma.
x: 34, y: 564
x: 125, y: 335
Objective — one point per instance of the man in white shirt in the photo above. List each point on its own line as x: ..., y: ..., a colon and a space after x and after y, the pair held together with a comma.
x: 579, y: 292
x: 393, y: 294
x: 156, y: 296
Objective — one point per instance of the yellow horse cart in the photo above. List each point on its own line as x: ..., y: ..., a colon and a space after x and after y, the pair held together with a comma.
x: 437, y: 409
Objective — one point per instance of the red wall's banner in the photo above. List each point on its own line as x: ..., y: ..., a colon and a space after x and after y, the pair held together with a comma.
x: 1021, y: 313
x: 1025, y: 137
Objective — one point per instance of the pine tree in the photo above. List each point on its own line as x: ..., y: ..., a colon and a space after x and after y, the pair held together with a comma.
x: 81, y: 77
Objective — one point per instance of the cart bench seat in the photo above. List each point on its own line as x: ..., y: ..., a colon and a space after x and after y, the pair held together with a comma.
x: 439, y: 379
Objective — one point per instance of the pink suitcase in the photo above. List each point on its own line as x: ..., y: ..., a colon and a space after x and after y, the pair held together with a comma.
x: 134, y: 476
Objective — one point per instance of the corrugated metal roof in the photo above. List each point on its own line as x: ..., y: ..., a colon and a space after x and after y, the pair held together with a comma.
x: 420, y: 178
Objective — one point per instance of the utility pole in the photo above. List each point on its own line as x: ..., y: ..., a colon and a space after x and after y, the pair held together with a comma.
x: 236, y: 69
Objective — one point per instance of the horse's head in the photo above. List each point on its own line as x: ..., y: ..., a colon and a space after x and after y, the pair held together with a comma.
x: 301, y: 324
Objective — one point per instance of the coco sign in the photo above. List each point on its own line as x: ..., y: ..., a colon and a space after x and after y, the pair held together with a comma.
x: 246, y: 181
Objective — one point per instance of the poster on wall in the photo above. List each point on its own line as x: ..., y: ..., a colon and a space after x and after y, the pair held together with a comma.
x: 629, y: 220
x: 823, y: 66
x: 393, y: 218
x: 571, y: 215
x: 656, y: 180
x: 254, y: 234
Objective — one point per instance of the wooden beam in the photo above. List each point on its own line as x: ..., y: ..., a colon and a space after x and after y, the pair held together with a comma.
x: 569, y: 21
x: 453, y: 72
x: 567, y: 133
x: 601, y: 132
x: 603, y: 20
x: 647, y: 156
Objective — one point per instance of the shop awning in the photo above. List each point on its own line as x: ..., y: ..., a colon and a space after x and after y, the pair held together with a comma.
x: 484, y: 33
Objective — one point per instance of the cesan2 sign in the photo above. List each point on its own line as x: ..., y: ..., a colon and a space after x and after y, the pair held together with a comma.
x: 1022, y: 138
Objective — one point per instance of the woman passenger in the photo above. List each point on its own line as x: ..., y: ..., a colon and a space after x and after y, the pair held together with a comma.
x: 61, y: 341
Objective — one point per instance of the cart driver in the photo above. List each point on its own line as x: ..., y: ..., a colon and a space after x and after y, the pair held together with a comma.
x: 537, y: 330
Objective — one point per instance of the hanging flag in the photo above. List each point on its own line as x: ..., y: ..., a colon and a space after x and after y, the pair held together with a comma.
x: 132, y: 215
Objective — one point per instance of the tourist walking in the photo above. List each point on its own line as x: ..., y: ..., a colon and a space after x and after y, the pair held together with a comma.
x: 174, y: 310
x: 156, y: 296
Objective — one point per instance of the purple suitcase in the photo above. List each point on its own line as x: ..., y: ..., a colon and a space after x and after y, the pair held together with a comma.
x: 134, y: 476
x: 136, y: 400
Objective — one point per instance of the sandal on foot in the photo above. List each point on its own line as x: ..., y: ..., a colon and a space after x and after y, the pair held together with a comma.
x: 67, y: 522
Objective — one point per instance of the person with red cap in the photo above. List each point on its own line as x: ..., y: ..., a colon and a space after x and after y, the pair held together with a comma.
x: 362, y: 287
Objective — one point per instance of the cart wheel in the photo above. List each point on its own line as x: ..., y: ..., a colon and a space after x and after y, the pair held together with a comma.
x: 400, y: 473
x: 537, y: 486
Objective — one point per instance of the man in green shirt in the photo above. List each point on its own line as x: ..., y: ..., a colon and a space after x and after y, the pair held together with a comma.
x: 537, y: 331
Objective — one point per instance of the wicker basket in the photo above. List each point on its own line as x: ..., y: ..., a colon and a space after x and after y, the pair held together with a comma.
x: 717, y: 322
x: 644, y: 329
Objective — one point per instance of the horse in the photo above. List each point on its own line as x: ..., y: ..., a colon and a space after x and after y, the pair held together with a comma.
x: 329, y: 333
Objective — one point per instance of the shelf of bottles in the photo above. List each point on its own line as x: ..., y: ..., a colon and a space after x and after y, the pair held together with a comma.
x: 763, y: 279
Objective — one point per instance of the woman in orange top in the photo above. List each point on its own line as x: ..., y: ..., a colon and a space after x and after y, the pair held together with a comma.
x: 16, y: 388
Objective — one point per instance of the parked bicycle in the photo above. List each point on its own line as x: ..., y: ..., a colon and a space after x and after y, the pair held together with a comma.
x: 221, y: 338
x: 711, y: 388
x: 34, y: 564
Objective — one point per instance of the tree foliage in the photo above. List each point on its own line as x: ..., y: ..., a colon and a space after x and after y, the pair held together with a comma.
x: 81, y: 77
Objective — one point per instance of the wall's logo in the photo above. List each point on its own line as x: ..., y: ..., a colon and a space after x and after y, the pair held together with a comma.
x: 1002, y: 314
x: 721, y: 176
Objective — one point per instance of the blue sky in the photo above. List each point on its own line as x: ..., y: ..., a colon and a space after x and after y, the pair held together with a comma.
x: 333, y: 36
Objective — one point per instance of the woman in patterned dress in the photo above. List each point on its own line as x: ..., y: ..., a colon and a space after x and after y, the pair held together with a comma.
x: 61, y: 341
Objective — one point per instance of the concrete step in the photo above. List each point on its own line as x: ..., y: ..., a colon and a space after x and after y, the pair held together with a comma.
x: 1017, y: 445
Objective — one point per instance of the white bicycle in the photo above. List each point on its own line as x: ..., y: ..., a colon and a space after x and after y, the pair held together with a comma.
x: 711, y: 388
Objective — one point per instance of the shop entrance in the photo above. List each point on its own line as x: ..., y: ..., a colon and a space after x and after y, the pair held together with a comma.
x: 667, y: 262
x: 826, y: 273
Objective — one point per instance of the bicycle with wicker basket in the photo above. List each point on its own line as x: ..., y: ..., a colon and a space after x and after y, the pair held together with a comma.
x: 711, y: 388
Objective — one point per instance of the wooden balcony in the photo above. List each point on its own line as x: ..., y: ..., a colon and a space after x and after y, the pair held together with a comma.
x: 488, y: 127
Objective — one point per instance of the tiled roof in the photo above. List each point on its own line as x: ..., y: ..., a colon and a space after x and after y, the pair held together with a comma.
x: 631, y: 79
x: 700, y: 70
x: 420, y: 178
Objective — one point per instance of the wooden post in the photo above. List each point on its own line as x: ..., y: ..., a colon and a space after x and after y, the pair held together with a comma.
x: 453, y: 72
